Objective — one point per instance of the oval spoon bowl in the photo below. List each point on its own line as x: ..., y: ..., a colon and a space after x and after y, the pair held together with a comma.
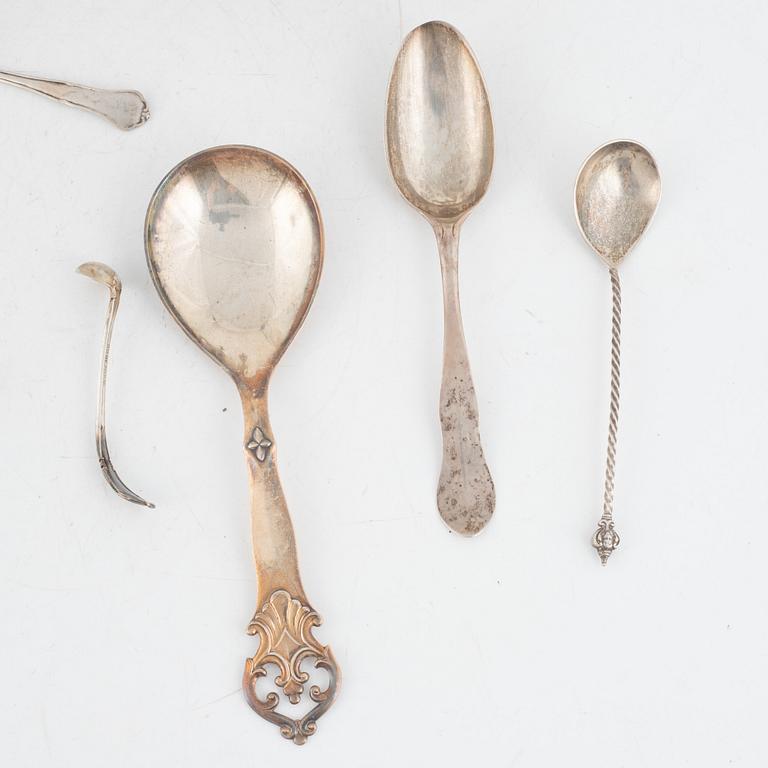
x: 234, y: 243
x: 616, y: 195
x: 439, y: 126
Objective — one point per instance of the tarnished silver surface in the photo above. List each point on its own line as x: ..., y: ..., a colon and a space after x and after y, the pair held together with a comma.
x: 284, y: 628
x: 440, y: 150
x: 105, y: 275
x: 616, y: 194
x: 234, y: 244
x: 125, y: 109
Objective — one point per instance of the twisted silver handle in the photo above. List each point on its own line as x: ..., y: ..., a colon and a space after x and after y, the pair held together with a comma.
x: 605, y: 539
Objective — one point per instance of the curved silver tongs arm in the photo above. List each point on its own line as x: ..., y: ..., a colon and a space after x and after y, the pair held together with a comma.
x: 105, y: 275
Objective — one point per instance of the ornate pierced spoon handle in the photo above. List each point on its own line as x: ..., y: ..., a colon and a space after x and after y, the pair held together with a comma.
x: 465, y: 495
x: 284, y: 619
x: 125, y: 109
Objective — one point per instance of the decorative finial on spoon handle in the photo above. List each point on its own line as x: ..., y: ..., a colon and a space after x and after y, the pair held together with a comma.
x: 125, y: 109
x: 465, y: 495
x: 105, y: 275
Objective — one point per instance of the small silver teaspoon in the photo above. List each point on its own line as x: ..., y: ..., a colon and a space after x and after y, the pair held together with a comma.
x: 616, y: 194
x: 440, y: 149
x: 125, y: 109
x: 105, y: 275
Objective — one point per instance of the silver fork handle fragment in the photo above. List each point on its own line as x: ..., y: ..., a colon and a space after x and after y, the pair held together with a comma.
x: 125, y: 109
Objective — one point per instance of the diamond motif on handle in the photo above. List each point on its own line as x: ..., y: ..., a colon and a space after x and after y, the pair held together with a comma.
x: 259, y: 444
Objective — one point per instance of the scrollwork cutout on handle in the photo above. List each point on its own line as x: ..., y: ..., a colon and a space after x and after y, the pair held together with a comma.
x: 284, y: 626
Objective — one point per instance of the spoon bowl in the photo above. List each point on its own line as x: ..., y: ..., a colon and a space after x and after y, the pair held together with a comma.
x: 101, y: 273
x: 439, y: 126
x: 234, y: 242
x: 616, y: 195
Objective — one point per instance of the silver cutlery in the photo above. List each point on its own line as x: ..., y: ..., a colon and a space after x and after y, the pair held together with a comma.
x: 440, y: 149
x: 234, y: 244
x: 125, y: 109
x: 616, y: 195
x: 107, y: 276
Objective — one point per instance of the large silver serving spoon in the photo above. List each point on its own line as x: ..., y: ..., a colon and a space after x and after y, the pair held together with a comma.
x: 234, y: 243
x: 125, y: 109
x: 616, y: 194
x: 440, y: 149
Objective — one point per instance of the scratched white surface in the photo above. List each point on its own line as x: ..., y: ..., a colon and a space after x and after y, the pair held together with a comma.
x: 122, y: 630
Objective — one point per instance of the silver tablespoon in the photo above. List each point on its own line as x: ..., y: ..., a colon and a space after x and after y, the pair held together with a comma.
x: 440, y: 149
x: 616, y: 194
x: 234, y: 244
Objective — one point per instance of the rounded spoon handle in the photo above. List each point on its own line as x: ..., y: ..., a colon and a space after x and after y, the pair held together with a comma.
x: 125, y: 109
x: 284, y: 619
x: 465, y: 495
x: 605, y: 539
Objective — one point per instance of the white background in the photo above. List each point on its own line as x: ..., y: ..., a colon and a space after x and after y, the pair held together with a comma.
x: 122, y: 629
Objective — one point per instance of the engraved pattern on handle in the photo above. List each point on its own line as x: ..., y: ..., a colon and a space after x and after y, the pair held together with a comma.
x: 125, y: 109
x: 284, y: 620
x: 465, y: 495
